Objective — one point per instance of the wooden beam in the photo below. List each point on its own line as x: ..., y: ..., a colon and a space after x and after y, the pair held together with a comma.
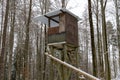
x: 57, y: 43
x: 72, y: 67
x: 51, y: 64
x: 52, y: 19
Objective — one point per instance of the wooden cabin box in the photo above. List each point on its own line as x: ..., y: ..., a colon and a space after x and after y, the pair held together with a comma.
x: 71, y: 27
x: 67, y: 31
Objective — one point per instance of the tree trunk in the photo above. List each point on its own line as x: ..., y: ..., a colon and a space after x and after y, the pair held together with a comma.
x: 100, y: 55
x: 118, y: 25
x: 39, y: 51
x: 105, y: 48
x: 63, y: 3
x: 94, y: 59
x: 4, y: 42
x: 2, y: 13
x: 46, y: 2
x: 114, y: 62
x: 11, y: 39
x: 26, y: 47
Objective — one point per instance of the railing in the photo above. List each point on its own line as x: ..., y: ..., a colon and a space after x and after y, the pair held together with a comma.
x: 73, y: 68
x: 59, y: 37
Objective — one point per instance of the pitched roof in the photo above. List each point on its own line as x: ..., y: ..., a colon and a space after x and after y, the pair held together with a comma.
x: 44, y: 18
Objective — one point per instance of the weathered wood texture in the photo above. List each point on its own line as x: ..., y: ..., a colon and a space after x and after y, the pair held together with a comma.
x: 67, y: 25
x: 53, y: 30
x: 79, y: 71
x: 54, y: 38
x: 71, y: 28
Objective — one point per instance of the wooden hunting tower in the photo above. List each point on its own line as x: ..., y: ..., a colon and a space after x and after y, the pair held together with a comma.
x: 62, y: 45
x: 62, y: 27
x: 62, y: 35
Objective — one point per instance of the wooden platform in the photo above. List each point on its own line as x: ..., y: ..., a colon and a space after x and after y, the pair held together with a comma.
x: 58, y: 45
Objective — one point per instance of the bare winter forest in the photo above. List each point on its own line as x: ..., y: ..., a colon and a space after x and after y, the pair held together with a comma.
x: 24, y: 42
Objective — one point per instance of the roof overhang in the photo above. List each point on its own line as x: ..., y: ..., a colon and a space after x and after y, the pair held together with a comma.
x: 52, y: 16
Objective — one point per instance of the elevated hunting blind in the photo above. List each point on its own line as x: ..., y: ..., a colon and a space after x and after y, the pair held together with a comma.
x: 62, y: 27
x: 62, y: 39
